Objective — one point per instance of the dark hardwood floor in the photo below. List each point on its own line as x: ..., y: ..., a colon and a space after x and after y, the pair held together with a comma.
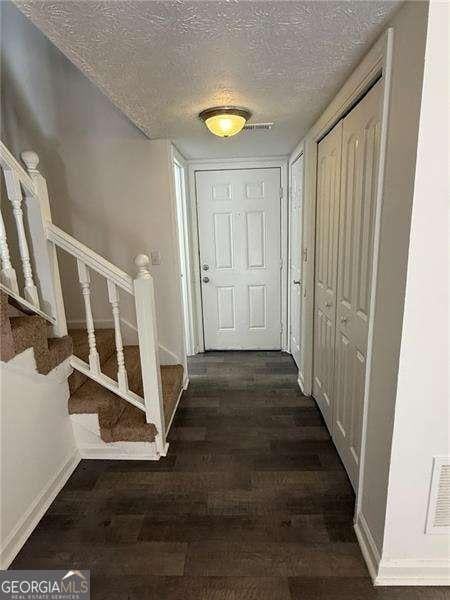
x: 251, y: 503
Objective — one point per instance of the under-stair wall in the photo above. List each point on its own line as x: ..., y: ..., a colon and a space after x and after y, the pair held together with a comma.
x: 38, y: 450
x: 109, y: 185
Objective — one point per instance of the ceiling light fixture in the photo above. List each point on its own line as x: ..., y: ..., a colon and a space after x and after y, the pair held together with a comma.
x: 225, y: 121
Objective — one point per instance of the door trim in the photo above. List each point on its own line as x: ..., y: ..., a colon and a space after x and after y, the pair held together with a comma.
x: 295, y: 156
x: 223, y: 165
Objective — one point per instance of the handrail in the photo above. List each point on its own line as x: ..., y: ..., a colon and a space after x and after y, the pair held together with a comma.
x: 89, y: 257
x: 7, y: 160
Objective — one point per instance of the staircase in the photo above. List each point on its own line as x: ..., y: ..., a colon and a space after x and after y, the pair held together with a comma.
x: 122, y: 401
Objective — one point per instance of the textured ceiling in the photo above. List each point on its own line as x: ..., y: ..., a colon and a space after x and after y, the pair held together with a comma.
x: 161, y: 62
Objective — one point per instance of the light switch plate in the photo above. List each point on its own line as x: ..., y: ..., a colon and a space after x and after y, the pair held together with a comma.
x: 155, y: 256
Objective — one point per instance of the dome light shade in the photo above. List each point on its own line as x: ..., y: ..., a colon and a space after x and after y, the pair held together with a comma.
x: 225, y: 121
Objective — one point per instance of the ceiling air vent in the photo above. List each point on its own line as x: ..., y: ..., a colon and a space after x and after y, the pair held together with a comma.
x: 258, y: 126
x: 438, y: 518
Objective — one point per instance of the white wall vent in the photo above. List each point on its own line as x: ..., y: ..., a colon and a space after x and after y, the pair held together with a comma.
x: 258, y: 126
x: 438, y: 517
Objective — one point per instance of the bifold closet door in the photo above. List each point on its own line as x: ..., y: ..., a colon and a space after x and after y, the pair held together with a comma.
x: 327, y: 221
x: 359, y: 169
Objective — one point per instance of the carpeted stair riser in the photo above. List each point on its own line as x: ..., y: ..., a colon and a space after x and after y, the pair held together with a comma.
x: 31, y: 332
x: 6, y: 339
x: 106, y: 347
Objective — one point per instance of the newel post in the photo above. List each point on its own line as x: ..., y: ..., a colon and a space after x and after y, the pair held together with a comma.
x: 43, y: 250
x: 149, y: 350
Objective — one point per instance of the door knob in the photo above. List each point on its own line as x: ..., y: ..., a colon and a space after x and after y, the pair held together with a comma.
x: 344, y: 320
x: 205, y: 280
x: 205, y: 267
x: 328, y: 304
x: 297, y: 282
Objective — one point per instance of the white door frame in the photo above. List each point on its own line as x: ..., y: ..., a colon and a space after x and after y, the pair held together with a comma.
x: 182, y: 216
x: 378, y: 62
x: 219, y: 165
x: 297, y: 153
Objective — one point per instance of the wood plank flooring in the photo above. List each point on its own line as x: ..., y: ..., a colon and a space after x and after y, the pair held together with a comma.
x: 251, y: 503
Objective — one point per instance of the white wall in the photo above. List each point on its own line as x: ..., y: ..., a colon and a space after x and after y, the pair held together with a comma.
x: 409, y: 26
x: 109, y: 185
x: 37, y: 450
x: 422, y: 408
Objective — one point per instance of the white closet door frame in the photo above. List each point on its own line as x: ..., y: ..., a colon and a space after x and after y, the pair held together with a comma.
x: 221, y: 164
x: 377, y: 63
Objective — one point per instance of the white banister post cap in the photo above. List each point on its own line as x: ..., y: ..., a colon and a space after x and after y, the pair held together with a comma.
x: 31, y: 159
x: 142, y: 261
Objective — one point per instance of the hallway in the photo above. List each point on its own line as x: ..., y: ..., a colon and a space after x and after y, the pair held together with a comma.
x: 251, y: 502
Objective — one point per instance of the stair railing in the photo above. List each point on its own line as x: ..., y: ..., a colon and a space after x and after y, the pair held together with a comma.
x: 38, y: 239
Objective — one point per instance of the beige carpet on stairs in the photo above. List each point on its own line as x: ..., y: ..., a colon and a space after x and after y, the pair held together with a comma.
x: 118, y: 419
x: 30, y: 331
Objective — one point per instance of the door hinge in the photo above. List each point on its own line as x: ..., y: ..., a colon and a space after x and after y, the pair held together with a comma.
x: 281, y: 192
x: 305, y: 254
x: 281, y: 327
x: 281, y: 263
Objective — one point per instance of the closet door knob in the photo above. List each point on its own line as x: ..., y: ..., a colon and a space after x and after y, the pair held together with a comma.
x: 344, y: 320
x: 328, y: 304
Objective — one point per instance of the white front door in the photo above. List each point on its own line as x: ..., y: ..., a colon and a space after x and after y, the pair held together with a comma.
x: 240, y: 256
x: 295, y: 260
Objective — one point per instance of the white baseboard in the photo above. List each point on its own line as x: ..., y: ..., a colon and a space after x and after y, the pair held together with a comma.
x: 399, y: 572
x: 22, y: 531
x: 409, y: 572
x: 368, y: 546
x: 90, y: 445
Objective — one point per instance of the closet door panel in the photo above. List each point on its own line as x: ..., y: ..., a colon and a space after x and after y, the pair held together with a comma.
x: 327, y: 214
x: 360, y: 148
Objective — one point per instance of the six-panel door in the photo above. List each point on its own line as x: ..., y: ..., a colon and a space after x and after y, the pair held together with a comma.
x: 239, y: 236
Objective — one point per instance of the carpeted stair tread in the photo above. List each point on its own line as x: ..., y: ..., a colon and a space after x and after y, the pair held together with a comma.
x: 106, y: 347
x: 92, y: 397
x: 172, y: 382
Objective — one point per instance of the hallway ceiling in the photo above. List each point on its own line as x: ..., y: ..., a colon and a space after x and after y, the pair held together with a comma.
x: 162, y: 61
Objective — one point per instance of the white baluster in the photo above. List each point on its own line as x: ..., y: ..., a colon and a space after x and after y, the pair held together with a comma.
x: 15, y: 196
x: 122, y: 377
x: 85, y: 281
x: 7, y: 274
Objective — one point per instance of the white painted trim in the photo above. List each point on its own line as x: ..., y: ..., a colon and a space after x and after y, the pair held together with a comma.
x: 368, y: 546
x: 417, y: 572
x: 298, y: 152
x: 219, y: 165
x: 183, y: 224
x: 22, y: 531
